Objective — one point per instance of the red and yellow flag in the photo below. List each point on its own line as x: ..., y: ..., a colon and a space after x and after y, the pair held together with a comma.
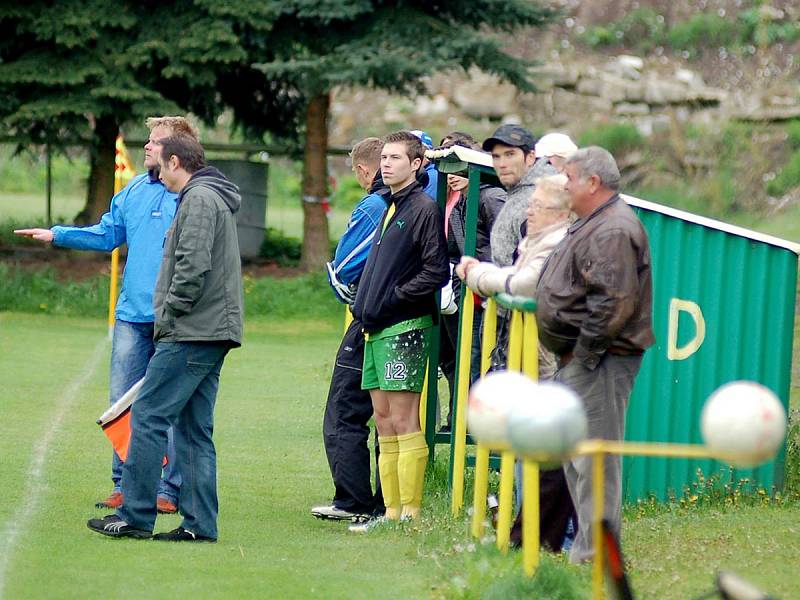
x: 123, y: 168
x: 123, y: 173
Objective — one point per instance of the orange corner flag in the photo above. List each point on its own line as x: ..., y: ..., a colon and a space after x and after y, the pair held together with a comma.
x: 116, y: 421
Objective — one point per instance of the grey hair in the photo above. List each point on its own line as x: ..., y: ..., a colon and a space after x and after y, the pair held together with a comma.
x: 594, y: 160
x: 553, y: 187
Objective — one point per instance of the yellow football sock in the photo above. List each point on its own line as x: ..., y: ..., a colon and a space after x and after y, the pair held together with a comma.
x: 387, y: 466
x: 411, y: 471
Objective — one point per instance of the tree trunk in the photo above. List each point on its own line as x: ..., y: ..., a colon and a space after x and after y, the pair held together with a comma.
x: 101, y: 171
x: 316, y: 244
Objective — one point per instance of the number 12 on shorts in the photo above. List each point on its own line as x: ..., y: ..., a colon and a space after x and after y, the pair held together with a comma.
x: 395, y: 371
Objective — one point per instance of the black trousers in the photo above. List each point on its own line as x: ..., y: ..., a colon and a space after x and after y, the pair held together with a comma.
x: 555, y: 510
x: 345, y: 430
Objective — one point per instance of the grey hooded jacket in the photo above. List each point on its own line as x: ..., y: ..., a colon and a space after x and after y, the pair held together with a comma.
x: 506, y: 231
x: 198, y: 295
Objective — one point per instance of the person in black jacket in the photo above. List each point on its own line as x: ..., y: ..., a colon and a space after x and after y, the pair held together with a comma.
x: 490, y: 202
x: 396, y: 304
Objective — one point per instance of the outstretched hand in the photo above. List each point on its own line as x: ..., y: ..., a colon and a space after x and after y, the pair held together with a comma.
x: 41, y: 235
x: 463, y: 266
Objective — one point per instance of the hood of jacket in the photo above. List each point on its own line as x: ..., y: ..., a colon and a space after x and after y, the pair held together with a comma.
x: 378, y: 187
x: 540, y: 168
x: 212, y: 178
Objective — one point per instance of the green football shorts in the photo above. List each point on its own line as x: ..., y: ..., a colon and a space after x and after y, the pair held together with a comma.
x: 396, y: 362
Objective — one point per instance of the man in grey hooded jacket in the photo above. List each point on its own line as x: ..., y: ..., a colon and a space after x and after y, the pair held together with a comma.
x: 198, y: 308
x: 514, y: 159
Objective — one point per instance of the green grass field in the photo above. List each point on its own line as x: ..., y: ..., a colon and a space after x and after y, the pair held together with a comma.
x: 272, y: 469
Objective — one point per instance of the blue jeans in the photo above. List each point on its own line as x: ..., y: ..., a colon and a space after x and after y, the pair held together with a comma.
x: 131, y: 350
x: 179, y: 390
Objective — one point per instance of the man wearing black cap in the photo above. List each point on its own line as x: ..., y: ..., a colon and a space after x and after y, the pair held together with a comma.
x: 514, y: 158
x: 512, y: 150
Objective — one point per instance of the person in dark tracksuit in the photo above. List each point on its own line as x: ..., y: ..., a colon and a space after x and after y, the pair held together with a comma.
x: 349, y: 408
x: 396, y: 304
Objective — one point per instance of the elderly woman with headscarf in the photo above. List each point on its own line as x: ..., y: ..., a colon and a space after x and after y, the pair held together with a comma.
x: 548, y: 221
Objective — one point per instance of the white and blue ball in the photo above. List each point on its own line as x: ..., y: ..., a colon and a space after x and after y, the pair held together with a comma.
x: 549, y: 424
x: 743, y: 423
x: 491, y: 399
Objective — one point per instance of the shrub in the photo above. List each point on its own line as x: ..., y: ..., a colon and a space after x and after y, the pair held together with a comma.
x: 642, y: 28
x: 283, y: 249
x: 788, y: 177
x: 617, y: 138
x: 41, y: 292
x: 703, y: 30
x: 792, y: 468
x: 305, y: 295
x: 793, y: 133
x: 753, y: 29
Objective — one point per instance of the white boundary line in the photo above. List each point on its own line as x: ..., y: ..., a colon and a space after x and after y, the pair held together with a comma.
x: 37, y: 485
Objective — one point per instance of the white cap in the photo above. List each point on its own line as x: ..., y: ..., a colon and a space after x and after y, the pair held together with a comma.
x: 555, y: 144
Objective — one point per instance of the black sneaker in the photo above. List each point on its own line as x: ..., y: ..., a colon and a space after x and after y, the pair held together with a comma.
x: 113, y: 526
x: 181, y: 535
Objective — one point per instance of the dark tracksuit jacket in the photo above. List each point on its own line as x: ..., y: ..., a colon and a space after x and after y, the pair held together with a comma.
x: 407, y: 263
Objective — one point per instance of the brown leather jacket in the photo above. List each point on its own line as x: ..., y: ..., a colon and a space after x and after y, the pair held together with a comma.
x: 595, y: 292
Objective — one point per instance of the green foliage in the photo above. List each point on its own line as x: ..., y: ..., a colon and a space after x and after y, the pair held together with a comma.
x: 617, y: 138
x: 753, y: 29
x: 8, y: 238
x: 348, y: 193
x: 283, y: 249
x: 26, y: 171
x: 703, y: 30
x: 788, y: 177
x: 642, y: 28
x: 283, y: 297
x: 42, y: 292
x: 791, y: 482
x: 284, y: 183
x: 357, y: 42
x: 489, y: 575
x: 793, y: 134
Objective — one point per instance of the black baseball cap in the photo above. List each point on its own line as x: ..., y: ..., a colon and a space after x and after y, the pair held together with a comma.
x: 510, y: 135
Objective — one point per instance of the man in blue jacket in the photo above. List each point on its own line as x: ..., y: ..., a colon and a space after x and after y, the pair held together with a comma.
x: 198, y: 305
x: 139, y: 216
x: 349, y: 408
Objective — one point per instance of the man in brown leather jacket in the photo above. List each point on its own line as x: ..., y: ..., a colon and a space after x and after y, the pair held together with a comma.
x: 595, y: 313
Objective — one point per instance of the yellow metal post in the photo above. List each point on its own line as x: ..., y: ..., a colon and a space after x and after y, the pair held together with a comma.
x: 530, y: 350
x: 505, y: 500
x: 515, y: 335
x: 423, y: 401
x: 481, y: 488
x: 598, y: 487
x: 489, y: 339
x: 112, y: 290
x: 123, y: 173
x: 530, y: 516
x: 460, y: 425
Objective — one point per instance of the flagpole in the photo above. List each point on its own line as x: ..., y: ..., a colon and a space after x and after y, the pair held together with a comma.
x: 123, y: 172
